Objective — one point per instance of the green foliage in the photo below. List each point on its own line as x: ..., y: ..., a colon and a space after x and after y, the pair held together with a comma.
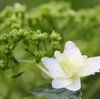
x: 15, y: 76
x: 51, y: 93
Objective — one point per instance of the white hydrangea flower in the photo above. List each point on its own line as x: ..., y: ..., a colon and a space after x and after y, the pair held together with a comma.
x: 67, y: 68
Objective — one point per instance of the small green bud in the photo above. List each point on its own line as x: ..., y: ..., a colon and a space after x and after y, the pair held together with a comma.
x: 13, y: 33
x: 38, y: 31
x: 2, y: 64
x: 4, y: 38
x: 55, y: 45
x: 15, y: 26
x: 6, y: 12
x: 42, y: 36
x: 31, y: 32
x: 45, y: 35
x: 38, y: 55
x: 55, y: 36
x: 20, y: 33
x: 26, y: 33
x: 18, y: 8
x: 12, y: 19
x: 7, y: 49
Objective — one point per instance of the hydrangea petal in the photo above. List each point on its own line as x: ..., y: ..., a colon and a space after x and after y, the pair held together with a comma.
x: 58, y: 56
x: 65, y: 68
x: 66, y: 61
x: 78, y: 61
x: 53, y: 67
x: 91, y: 66
x: 71, y: 50
x: 61, y: 82
x: 76, y: 85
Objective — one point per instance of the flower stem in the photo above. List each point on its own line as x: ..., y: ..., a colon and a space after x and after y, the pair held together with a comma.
x: 44, y: 70
x: 39, y: 66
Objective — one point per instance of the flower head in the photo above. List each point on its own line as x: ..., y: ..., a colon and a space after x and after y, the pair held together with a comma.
x: 67, y: 68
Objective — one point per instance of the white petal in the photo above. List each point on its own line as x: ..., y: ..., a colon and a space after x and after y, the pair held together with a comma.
x: 61, y: 82
x: 78, y: 61
x: 58, y: 56
x: 71, y: 50
x: 91, y: 66
x: 53, y: 67
x: 76, y: 85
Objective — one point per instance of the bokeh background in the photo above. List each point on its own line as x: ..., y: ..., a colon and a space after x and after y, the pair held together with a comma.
x: 29, y: 79
x: 76, y: 4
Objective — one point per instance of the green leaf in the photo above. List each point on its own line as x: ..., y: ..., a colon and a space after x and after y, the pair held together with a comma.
x: 15, y: 76
x: 19, y: 69
x: 51, y: 93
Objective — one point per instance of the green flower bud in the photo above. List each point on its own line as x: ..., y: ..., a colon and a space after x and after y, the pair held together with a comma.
x: 26, y: 33
x: 41, y: 37
x: 31, y: 32
x: 18, y: 8
x: 20, y: 33
x: 2, y: 64
x: 4, y: 38
x: 13, y: 33
x: 55, y: 45
x: 38, y: 55
x: 55, y: 36
x: 7, y: 49
x: 37, y: 37
x: 6, y: 12
x: 15, y: 26
x: 45, y: 35
x: 38, y: 31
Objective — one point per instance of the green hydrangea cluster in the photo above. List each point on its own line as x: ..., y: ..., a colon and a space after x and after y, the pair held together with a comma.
x: 35, y: 42
x: 58, y: 16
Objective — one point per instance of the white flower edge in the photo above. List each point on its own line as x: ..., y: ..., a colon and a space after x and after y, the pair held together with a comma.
x: 74, y: 65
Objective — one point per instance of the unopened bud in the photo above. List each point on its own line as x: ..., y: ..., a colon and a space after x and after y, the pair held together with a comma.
x: 55, y: 36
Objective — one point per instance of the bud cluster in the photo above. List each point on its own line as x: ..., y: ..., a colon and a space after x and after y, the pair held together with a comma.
x: 35, y: 42
x: 13, y: 17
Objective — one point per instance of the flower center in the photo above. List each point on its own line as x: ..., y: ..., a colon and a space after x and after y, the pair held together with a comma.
x: 66, y: 65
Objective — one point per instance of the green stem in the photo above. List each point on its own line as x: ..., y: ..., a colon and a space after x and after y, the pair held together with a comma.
x: 37, y: 47
x: 40, y: 67
x: 44, y: 70
x: 44, y: 43
x: 29, y: 52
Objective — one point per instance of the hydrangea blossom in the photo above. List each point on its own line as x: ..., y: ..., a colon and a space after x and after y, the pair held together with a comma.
x: 67, y: 68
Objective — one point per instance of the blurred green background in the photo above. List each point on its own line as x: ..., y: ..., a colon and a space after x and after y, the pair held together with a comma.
x: 24, y: 84
x: 76, y: 4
